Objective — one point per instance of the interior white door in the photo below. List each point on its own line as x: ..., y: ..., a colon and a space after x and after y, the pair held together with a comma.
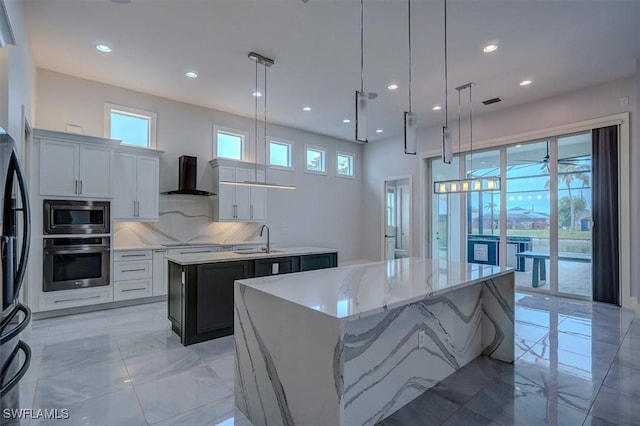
x: 404, y: 198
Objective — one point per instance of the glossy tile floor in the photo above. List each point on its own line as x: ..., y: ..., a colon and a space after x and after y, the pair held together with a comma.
x: 578, y: 363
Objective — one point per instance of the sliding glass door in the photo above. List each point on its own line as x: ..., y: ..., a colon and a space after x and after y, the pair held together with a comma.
x: 538, y: 223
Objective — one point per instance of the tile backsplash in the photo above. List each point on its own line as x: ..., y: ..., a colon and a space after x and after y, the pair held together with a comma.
x: 187, y: 219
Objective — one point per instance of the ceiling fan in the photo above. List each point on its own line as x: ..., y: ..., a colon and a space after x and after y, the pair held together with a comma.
x: 576, y: 160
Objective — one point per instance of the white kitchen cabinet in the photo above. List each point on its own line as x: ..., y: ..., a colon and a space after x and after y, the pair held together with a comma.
x: 160, y: 270
x: 132, y: 274
x: 136, y: 187
x: 75, y: 169
x: 235, y: 203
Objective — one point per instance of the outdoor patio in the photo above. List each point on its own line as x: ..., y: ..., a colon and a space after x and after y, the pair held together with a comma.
x: 574, y: 278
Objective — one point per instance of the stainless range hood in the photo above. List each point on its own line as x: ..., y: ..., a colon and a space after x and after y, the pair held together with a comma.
x: 187, y: 177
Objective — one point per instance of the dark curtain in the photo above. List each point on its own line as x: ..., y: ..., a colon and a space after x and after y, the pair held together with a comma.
x: 606, y: 278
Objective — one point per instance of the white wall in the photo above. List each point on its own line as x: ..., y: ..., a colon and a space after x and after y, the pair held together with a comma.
x: 323, y: 211
x: 17, y: 75
x: 593, y: 102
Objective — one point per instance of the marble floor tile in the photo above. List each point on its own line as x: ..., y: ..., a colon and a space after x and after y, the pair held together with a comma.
x: 117, y: 408
x: 63, y: 356
x: 216, y: 348
x: 170, y: 396
x: 466, y: 417
x: 224, y: 368
x: 594, y: 421
x: 616, y: 407
x: 142, y: 343
x: 628, y: 356
x: 220, y: 413
x: 611, y: 335
x: 522, y: 346
x: 585, y: 367
x: 427, y: 409
x: 75, y: 385
x: 148, y: 367
x: 581, y: 345
x: 508, y: 405
x: 532, y: 333
x: 533, y: 316
x: 159, y: 324
x: 625, y: 379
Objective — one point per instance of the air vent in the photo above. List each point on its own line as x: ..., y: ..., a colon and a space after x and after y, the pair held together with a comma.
x: 492, y: 101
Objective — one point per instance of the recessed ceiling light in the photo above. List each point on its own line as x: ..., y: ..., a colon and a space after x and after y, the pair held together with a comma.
x: 257, y: 94
x: 490, y: 48
x: 379, y: 131
x: 307, y: 108
x: 518, y: 146
x: 191, y: 74
x: 103, y: 48
x: 392, y: 86
x: 525, y: 83
x: 437, y: 108
x: 346, y: 120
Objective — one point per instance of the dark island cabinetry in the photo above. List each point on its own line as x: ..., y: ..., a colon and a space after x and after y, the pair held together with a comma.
x: 201, y: 295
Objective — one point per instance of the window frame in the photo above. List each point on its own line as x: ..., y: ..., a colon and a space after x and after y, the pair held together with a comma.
x: 353, y: 166
x: 324, y: 159
x: 233, y: 132
x: 291, y: 145
x: 126, y: 110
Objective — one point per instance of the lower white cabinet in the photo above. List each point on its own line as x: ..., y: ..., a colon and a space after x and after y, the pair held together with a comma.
x: 160, y: 271
x: 73, y: 298
x: 132, y: 274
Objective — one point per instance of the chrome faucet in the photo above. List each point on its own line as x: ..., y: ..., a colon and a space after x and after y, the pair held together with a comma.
x: 268, y: 250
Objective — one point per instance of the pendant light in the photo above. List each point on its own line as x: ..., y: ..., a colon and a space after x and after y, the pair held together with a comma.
x: 447, y: 143
x: 410, y: 119
x: 362, y: 97
x: 6, y: 32
x: 267, y: 63
x: 469, y: 183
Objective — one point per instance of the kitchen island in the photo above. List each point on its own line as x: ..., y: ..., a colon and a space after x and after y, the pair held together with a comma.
x: 351, y: 345
x: 200, y: 285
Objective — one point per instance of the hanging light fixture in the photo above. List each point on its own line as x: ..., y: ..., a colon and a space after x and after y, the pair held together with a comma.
x: 447, y: 143
x: 6, y: 32
x: 267, y: 63
x: 362, y: 97
x: 470, y: 183
x: 410, y: 119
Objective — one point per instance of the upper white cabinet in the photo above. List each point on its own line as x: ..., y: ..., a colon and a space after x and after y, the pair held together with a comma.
x: 236, y: 203
x: 75, y: 166
x: 136, y: 186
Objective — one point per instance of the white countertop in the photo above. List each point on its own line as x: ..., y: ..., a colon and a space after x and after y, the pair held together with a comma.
x: 352, y: 292
x: 226, y: 256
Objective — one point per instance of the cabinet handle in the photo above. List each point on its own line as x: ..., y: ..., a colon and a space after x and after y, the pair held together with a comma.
x: 252, y: 211
x: 76, y: 190
x: 134, y: 270
x: 133, y: 289
x: 80, y: 187
x: 133, y: 255
x: 192, y: 252
x: 80, y: 298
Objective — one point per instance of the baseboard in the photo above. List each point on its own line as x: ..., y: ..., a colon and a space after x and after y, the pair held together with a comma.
x: 99, y: 307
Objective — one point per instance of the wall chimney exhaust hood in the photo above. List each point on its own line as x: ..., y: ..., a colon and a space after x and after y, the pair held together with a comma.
x: 187, y: 177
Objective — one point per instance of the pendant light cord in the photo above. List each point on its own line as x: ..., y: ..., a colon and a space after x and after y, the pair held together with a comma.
x: 446, y: 86
x: 265, y: 128
x: 361, y: 46
x: 459, y: 128
x: 409, y: 20
x: 255, y: 121
x: 471, y: 127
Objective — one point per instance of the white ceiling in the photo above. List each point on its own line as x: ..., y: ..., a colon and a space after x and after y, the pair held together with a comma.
x: 560, y: 45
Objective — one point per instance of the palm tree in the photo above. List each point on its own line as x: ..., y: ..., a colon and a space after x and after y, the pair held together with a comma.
x: 491, y: 207
x: 568, y: 173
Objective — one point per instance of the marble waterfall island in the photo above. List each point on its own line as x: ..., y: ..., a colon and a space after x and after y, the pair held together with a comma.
x: 351, y: 345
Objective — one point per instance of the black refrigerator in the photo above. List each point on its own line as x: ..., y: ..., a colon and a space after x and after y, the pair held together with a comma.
x: 15, y: 354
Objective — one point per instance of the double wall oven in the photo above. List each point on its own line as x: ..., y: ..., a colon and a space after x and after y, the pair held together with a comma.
x: 77, y: 246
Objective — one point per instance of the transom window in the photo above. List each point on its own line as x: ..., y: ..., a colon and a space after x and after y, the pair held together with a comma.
x: 229, y: 143
x: 344, y: 164
x: 315, y: 160
x: 130, y: 125
x: 280, y: 154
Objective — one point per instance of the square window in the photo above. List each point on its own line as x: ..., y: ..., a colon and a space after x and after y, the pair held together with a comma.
x: 280, y: 154
x: 229, y: 143
x: 344, y: 164
x: 315, y: 160
x: 131, y: 126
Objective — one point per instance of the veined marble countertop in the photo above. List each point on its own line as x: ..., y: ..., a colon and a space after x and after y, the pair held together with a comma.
x: 351, y: 292
x: 226, y: 256
x: 178, y: 245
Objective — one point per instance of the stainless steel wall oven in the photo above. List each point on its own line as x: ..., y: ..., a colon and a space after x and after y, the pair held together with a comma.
x: 75, y: 262
x: 76, y: 217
